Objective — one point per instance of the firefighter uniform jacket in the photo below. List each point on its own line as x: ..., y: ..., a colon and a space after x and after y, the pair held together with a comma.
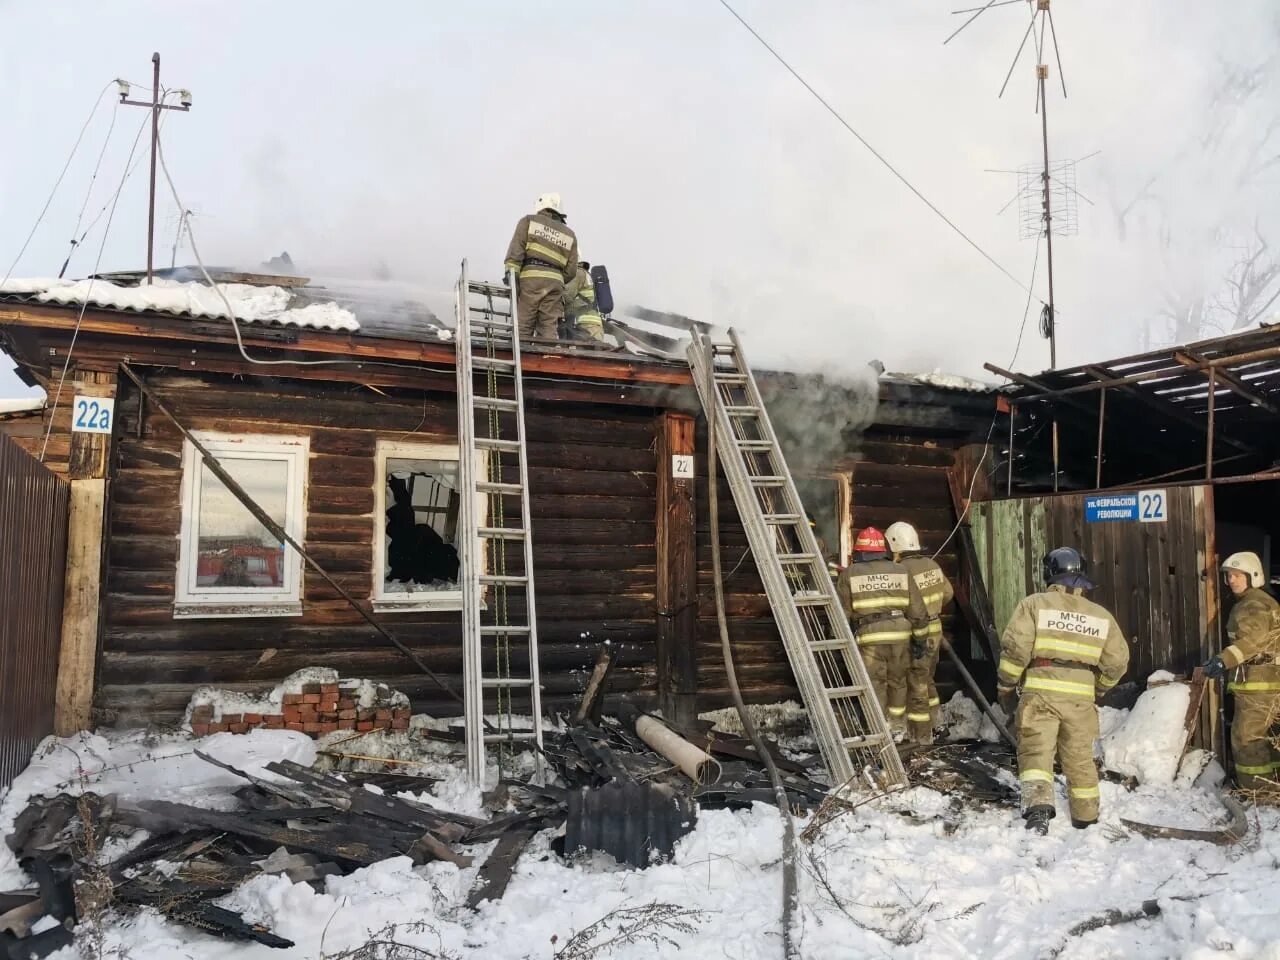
x: 1065, y: 644
x: 1253, y: 631
x: 935, y: 590
x: 882, y: 601
x: 580, y: 301
x: 543, y: 248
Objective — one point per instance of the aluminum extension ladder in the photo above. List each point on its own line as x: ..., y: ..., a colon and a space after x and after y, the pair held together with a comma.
x: 499, y: 622
x: 843, y: 710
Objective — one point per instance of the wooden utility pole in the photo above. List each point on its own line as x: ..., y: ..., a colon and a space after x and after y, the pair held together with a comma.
x: 155, y: 105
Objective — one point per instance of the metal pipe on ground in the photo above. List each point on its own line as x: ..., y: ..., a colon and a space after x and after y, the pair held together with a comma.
x: 972, y: 684
x: 695, y: 763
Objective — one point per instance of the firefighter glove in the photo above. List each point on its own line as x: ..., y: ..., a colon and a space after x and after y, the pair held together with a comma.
x: 1215, y: 668
x: 918, y: 649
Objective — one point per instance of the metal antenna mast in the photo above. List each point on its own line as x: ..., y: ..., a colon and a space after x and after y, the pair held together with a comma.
x: 1040, y: 22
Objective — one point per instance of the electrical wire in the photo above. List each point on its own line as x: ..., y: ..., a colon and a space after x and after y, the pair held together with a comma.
x: 89, y: 190
x: 57, y: 183
x: 66, y: 363
x: 986, y: 444
x: 874, y: 152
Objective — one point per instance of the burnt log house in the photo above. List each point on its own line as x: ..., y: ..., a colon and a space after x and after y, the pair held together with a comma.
x: 622, y: 548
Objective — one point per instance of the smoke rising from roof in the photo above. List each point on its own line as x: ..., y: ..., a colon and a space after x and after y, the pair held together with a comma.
x: 690, y: 163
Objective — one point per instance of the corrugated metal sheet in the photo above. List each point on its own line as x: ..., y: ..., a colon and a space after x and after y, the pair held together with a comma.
x: 33, y: 542
x: 637, y: 823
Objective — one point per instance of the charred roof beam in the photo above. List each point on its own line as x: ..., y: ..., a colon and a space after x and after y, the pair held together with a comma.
x: 1228, y: 380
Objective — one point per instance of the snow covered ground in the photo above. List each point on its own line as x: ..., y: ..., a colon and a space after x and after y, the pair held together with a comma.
x: 914, y: 875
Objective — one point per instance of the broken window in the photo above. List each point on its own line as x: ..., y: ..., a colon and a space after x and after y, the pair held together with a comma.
x: 416, y: 556
x: 229, y: 564
x: 826, y: 501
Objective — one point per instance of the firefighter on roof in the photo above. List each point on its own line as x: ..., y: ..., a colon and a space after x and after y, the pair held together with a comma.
x: 542, y: 257
x: 884, y: 610
x: 580, y: 310
x: 1066, y: 651
x: 923, y: 703
x: 1253, y: 655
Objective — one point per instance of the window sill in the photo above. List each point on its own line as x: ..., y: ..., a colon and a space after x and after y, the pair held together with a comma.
x: 188, y: 610
x: 419, y: 602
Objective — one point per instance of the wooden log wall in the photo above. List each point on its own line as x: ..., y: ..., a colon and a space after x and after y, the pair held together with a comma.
x: 592, y: 478
x: 895, y: 477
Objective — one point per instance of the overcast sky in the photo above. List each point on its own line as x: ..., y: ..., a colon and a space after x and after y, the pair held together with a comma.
x: 410, y: 135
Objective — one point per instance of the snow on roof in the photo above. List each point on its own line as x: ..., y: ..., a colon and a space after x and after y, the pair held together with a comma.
x: 945, y: 381
x: 21, y: 404
x: 251, y: 304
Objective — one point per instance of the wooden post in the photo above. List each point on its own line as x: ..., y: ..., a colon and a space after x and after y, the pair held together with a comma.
x: 1208, y: 455
x: 82, y: 601
x: 1102, y: 421
x: 1055, y: 454
x: 1008, y: 483
x: 677, y: 583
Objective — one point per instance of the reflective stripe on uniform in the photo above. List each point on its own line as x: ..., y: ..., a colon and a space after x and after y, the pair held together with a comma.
x: 512, y: 265
x: 1255, y: 686
x: 1034, y: 774
x: 932, y: 629
x: 1046, y: 645
x: 1010, y: 669
x: 919, y: 717
x: 889, y: 636
x: 1233, y: 655
x: 933, y: 596
x: 540, y: 273
x: 1105, y: 682
x: 1084, y: 793
x: 1068, y: 687
x: 533, y: 248
x: 879, y: 603
x: 1261, y: 770
x: 897, y: 711
x: 935, y: 701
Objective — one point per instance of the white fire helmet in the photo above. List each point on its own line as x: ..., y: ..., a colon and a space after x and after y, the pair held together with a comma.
x: 549, y: 201
x: 902, y: 537
x: 1247, y: 563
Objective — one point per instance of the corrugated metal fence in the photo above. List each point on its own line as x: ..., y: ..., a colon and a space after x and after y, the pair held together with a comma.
x: 33, y: 549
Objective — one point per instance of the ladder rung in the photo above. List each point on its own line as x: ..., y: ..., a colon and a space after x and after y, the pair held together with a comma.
x: 486, y: 312
x: 493, y: 363
x: 489, y: 631
x: 498, y: 579
x: 819, y: 646
x: 742, y: 410
x: 506, y: 682
x: 731, y: 378
x: 840, y: 693
x: 722, y: 349
x: 488, y: 486
x: 488, y: 443
x: 479, y: 286
x: 768, y: 481
x: 513, y: 735
x: 797, y: 558
x: 872, y: 740
x: 779, y: 519
x: 750, y: 445
x: 494, y: 403
x: 811, y: 599
x: 502, y: 533
x: 491, y: 324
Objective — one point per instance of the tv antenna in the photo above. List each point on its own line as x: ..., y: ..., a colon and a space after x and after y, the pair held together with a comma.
x: 1042, y: 29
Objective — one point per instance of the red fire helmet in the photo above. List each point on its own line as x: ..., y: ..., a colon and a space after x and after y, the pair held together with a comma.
x: 870, y: 540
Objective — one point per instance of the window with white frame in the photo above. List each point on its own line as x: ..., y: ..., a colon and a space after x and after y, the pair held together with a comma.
x: 826, y: 501
x: 415, y: 537
x: 229, y: 564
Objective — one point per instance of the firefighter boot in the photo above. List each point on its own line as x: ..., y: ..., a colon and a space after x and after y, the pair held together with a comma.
x: 1038, y: 819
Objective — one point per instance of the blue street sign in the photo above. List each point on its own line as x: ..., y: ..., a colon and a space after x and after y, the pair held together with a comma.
x: 1146, y: 506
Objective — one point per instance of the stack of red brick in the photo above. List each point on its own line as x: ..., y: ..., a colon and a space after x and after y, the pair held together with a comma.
x: 319, y: 709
